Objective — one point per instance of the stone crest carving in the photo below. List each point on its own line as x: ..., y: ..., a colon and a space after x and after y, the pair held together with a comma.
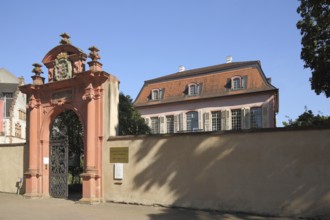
x: 62, y: 67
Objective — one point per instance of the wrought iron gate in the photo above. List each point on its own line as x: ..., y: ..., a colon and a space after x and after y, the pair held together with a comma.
x: 58, y: 170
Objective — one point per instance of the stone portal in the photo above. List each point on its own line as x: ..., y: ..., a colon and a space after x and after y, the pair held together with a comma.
x: 92, y: 94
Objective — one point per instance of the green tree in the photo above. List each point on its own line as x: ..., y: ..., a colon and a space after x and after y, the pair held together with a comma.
x: 315, y: 30
x: 67, y: 125
x: 130, y: 120
x: 308, y: 119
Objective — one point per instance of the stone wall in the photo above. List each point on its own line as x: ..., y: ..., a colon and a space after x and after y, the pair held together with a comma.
x: 13, y: 163
x: 273, y: 172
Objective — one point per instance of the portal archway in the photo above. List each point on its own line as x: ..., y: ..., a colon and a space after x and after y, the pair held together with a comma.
x: 66, y: 154
x: 91, y: 94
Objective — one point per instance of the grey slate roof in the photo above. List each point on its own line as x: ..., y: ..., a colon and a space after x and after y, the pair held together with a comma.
x: 7, y: 77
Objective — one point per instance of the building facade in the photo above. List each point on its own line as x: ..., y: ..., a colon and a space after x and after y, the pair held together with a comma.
x: 230, y: 96
x: 12, y: 109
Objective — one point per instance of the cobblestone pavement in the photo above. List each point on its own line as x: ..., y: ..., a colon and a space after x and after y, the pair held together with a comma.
x: 14, y: 207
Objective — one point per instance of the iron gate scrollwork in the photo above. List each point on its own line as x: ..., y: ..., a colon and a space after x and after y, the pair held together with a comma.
x: 58, y: 179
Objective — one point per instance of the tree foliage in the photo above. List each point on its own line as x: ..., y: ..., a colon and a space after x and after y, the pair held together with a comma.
x: 308, y: 119
x: 130, y: 120
x: 315, y: 30
x: 67, y: 125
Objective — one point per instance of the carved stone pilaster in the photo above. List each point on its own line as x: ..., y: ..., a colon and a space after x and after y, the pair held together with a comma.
x: 92, y: 94
x: 33, y: 173
x: 33, y: 103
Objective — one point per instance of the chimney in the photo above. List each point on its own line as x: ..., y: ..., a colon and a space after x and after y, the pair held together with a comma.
x: 229, y: 59
x: 182, y: 68
x: 21, y: 80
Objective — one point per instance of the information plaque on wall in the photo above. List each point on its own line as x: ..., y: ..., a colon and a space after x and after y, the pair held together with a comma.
x: 119, y: 155
x: 119, y: 171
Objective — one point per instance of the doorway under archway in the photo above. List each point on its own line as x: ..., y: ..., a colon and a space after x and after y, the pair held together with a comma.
x: 66, y: 156
x: 88, y: 91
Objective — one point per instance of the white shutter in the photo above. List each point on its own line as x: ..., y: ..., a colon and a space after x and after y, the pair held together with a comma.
x: 223, y: 120
x: 242, y: 119
x: 176, y: 123
x: 200, y: 119
x: 265, y: 115
x: 147, y: 121
x: 162, y: 124
x: 228, y: 119
x: 165, y: 125
x: 207, y: 121
x: 245, y: 118
x: 183, y: 122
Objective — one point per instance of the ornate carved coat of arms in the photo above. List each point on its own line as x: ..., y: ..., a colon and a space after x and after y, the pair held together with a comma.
x: 62, y: 67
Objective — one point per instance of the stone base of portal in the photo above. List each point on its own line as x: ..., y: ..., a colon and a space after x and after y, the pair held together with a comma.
x: 32, y: 190
x: 91, y: 188
x: 33, y: 196
x: 89, y: 201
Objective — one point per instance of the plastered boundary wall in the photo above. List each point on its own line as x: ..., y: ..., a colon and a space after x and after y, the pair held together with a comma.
x: 274, y: 172
x: 13, y: 163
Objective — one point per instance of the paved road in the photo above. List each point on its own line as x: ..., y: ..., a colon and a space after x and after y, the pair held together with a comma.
x: 14, y: 207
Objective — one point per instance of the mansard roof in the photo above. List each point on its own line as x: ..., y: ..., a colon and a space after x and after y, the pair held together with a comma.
x: 213, y: 80
x: 8, y: 77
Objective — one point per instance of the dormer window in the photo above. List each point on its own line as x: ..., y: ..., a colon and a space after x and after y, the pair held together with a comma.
x: 193, y: 89
x: 156, y: 94
x: 236, y: 83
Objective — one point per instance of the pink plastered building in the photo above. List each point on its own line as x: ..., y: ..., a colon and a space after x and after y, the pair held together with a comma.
x: 229, y: 96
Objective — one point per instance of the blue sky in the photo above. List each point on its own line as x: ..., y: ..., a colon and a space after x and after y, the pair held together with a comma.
x: 145, y: 39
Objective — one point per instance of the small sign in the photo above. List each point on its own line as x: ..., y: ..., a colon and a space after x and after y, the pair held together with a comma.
x: 119, y: 155
x: 119, y: 171
x: 46, y: 160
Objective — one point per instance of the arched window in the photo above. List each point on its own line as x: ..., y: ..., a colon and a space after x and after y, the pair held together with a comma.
x: 237, y: 82
x: 155, y: 94
x: 192, y: 121
x: 192, y: 89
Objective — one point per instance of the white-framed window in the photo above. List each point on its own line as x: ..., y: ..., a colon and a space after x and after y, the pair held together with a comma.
x: 155, y: 125
x: 22, y: 114
x: 216, y: 120
x: 192, y: 89
x: 256, y: 117
x: 155, y: 94
x: 170, y: 124
x: 7, y: 94
x: 236, y: 119
x: 7, y: 98
x: 192, y: 121
x: 236, y: 82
